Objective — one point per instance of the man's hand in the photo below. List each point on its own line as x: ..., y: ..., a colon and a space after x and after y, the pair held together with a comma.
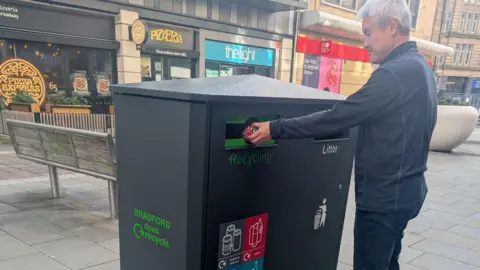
x: 262, y: 134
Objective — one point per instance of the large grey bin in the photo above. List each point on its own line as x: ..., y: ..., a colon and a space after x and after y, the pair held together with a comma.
x: 193, y: 195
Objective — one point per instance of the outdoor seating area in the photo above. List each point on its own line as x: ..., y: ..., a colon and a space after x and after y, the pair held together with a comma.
x: 85, y: 152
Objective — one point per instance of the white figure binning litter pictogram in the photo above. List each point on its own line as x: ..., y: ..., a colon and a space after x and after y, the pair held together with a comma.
x: 255, y: 233
x: 320, y: 216
x: 232, y: 240
x: 255, y: 267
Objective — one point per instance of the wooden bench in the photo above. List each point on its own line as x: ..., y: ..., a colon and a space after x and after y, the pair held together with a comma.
x: 80, y: 151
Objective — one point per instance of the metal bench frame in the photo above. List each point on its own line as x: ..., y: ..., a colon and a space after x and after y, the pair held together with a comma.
x: 53, y: 165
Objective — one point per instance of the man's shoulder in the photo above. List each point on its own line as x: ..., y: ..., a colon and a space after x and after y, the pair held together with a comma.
x: 411, y: 62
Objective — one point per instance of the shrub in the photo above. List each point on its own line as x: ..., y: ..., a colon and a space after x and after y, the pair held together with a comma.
x: 23, y: 97
x: 64, y: 100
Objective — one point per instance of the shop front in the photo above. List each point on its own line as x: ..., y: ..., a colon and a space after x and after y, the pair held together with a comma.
x: 56, y: 62
x: 224, y: 54
x: 167, y: 52
x: 227, y: 59
x: 476, y: 86
x: 329, y: 53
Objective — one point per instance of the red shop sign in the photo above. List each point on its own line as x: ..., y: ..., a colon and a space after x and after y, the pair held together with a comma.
x: 331, y: 49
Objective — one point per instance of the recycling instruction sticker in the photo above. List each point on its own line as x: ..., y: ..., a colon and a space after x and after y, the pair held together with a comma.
x: 242, y: 244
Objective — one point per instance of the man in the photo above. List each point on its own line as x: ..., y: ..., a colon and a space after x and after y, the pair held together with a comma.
x: 396, y: 114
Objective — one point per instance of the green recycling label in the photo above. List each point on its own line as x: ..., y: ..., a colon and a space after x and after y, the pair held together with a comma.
x: 150, y: 228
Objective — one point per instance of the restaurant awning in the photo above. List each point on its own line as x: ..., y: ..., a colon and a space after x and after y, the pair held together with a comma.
x: 321, y: 22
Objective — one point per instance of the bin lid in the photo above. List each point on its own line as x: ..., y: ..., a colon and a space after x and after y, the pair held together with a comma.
x: 240, y: 88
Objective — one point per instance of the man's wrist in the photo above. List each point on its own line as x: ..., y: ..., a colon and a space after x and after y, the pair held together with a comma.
x: 275, y: 129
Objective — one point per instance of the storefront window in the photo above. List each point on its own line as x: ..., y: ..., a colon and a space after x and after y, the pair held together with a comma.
x: 180, y: 68
x: 213, y: 69
x: 66, y: 70
x: 159, y: 68
x: 146, y: 68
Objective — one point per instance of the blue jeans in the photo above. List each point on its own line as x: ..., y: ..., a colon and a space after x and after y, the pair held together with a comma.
x: 378, y: 238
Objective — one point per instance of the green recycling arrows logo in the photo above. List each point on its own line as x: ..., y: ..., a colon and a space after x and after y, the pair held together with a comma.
x: 138, y: 230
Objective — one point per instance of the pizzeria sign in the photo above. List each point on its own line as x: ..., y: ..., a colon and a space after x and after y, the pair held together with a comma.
x: 18, y: 75
x: 160, y: 35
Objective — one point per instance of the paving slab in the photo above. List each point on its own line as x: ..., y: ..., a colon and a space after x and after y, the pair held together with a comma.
x: 448, y: 251
x: 37, y: 261
x: 452, y: 239
x: 77, y: 253
x: 115, y: 265
x: 111, y: 244
x: 11, y: 247
x: 435, y: 262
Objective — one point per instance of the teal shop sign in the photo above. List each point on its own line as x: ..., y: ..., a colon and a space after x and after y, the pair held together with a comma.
x: 236, y: 53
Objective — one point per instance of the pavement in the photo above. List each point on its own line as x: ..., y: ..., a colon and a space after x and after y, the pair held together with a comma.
x: 472, y: 145
x: 75, y: 232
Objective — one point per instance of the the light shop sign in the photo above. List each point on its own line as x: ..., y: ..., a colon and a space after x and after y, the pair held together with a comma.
x: 238, y: 53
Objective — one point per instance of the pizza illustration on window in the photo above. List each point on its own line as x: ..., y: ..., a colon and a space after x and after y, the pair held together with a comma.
x: 103, y: 85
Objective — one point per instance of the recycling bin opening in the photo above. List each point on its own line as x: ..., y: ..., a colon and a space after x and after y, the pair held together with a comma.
x: 193, y: 194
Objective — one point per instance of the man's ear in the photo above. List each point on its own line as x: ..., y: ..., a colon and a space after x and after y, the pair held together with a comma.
x: 393, y: 26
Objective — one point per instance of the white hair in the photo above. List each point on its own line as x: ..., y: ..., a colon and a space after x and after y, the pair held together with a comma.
x: 383, y: 10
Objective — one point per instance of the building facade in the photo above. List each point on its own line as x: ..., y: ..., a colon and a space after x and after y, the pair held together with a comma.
x: 79, y: 48
x: 329, y: 53
x: 456, y: 26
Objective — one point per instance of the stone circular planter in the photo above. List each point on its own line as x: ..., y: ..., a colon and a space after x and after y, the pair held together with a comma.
x: 454, y: 125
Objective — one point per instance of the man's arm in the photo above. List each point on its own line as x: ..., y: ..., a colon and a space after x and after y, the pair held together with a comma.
x: 378, y: 96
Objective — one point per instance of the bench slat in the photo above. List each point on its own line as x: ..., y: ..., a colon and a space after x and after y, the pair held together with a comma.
x: 61, y: 149
x: 95, y: 167
x: 89, y: 143
x: 29, y: 142
x: 25, y: 132
x: 65, y: 160
x: 93, y: 155
x: 32, y: 152
x: 55, y: 137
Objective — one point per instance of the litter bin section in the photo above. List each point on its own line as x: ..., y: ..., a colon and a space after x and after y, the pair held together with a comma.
x: 193, y: 194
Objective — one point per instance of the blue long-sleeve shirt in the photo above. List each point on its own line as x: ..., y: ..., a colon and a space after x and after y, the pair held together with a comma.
x: 396, y: 111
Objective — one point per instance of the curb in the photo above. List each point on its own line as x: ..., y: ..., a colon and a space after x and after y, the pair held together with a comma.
x: 462, y: 153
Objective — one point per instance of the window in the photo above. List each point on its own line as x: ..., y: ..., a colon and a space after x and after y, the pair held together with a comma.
x: 455, y: 55
x: 448, y: 21
x: 357, y: 4
x: 468, y: 55
x: 63, y: 68
x: 349, y: 4
x: 462, y: 22
x: 441, y: 60
x: 463, y: 49
x: 469, y: 22
x: 360, y: 3
x: 335, y: 2
x: 463, y: 54
x: 475, y: 23
x: 414, y: 4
